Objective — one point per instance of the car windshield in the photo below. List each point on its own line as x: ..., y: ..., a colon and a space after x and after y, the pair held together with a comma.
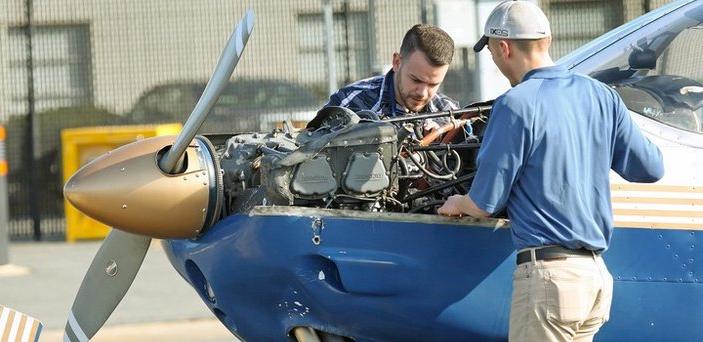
x: 658, y: 69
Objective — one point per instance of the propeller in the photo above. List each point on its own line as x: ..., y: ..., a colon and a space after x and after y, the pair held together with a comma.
x: 118, y: 260
x: 105, y: 283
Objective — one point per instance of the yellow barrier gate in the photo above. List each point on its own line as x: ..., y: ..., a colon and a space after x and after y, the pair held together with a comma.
x: 81, y: 145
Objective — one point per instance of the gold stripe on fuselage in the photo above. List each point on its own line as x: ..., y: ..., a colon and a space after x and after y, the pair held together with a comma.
x: 658, y: 200
x: 657, y: 188
x: 659, y: 225
x: 658, y: 213
x: 685, y: 209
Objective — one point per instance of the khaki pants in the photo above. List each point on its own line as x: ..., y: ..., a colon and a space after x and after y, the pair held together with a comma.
x: 560, y: 300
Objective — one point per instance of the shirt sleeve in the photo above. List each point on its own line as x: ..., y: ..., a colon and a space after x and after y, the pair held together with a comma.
x: 448, y: 103
x: 635, y: 158
x: 504, y: 148
x: 335, y: 99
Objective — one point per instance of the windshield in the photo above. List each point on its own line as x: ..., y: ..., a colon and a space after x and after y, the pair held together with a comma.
x: 658, y: 69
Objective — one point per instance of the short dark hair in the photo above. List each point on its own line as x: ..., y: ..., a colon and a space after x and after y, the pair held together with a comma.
x: 432, y: 41
x: 529, y: 45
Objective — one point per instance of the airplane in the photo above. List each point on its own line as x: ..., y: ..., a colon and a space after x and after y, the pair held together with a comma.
x: 328, y: 233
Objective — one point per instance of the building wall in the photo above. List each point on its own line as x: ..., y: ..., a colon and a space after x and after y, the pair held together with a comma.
x: 138, y: 44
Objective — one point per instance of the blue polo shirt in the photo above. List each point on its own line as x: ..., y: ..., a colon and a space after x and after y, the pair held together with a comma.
x: 546, y: 155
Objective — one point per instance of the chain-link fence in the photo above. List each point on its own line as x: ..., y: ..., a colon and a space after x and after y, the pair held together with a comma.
x: 70, y: 63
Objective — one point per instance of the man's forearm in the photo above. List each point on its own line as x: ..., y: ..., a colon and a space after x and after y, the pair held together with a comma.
x: 473, y: 210
x: 460, y: 205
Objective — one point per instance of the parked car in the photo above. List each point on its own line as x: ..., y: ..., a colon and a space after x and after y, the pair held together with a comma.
x: 238, y: 107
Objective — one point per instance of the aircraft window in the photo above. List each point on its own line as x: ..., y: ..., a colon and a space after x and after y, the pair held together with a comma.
x: 660, y: 73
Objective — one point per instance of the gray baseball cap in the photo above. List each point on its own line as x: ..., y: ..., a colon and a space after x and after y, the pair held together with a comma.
x: 515, y: 19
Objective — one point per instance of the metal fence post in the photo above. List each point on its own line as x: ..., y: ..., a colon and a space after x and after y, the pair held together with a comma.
x: 329, y: 47
x: 371, y: 23
x: 423, y: 11
x: 4, y: 219
x: 345, y: 18
x: 32, y: 134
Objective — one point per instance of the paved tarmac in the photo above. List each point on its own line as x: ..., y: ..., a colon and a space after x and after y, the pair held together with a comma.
x: 43, y: 279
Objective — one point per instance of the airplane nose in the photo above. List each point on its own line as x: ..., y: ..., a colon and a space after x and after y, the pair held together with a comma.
x: 127, y: 190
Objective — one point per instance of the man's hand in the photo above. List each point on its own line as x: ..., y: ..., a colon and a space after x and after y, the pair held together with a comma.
x: 453, y: 206
x: 460, y: 205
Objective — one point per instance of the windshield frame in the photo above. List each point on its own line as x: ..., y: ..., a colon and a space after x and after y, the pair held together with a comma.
x: 599, y: 52
x: 575, y: 59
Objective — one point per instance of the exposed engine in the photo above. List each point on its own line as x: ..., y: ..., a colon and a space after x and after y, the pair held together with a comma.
x: 348, y: 160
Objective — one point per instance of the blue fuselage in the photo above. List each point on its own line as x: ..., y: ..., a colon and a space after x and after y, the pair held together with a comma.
x: 374, y: 276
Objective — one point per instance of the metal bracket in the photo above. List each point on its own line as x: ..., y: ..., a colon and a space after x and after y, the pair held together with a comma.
x: 317, y: 227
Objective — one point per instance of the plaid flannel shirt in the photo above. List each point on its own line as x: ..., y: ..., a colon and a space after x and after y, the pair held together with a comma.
x: 378, y: 95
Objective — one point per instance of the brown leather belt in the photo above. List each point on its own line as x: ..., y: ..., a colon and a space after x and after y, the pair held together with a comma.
x: 553, y: 252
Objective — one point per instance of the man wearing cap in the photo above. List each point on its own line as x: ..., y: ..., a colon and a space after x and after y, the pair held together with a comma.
x: 546, y: 156
x: 413, y: 82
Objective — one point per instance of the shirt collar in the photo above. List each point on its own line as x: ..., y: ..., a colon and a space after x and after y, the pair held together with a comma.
x: 554, y: 71
x: 388, y: 88
x: 388, y: 98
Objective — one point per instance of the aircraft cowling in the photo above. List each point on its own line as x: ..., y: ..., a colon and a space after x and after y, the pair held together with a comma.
x: 126, y: 189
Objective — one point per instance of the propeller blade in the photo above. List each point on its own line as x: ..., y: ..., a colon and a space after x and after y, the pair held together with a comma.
x: 121, y: 255
x: 108, y: 278
x: 169, y: 163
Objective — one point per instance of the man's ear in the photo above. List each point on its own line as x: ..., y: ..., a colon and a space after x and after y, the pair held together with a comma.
x: 504, y: 48
x: 396, y: 62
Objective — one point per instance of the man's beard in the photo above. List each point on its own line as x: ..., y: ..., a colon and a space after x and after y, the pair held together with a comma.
x: 406, y: 98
